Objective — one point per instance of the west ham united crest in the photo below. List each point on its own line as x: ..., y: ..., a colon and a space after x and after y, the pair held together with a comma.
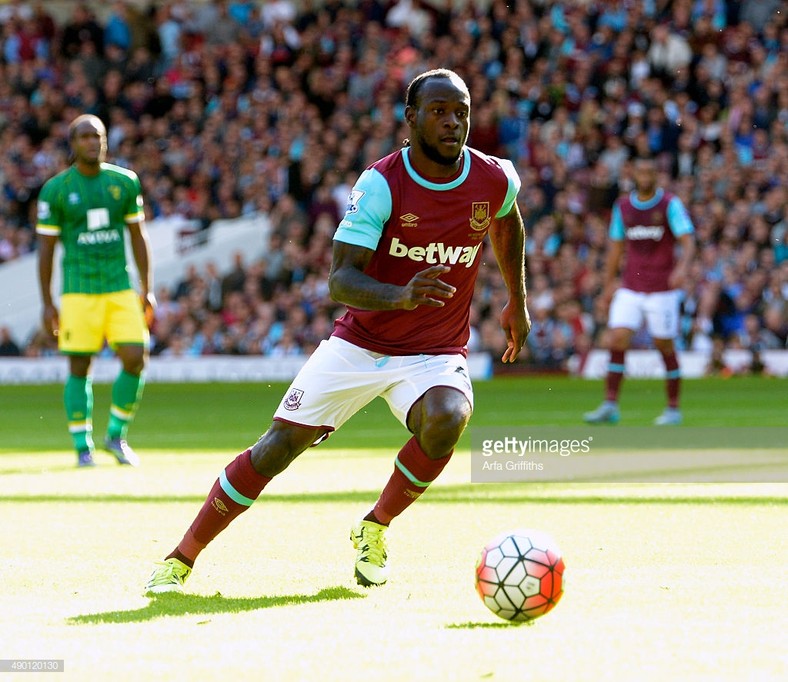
x: 480, y: 215
x: 293, y: 400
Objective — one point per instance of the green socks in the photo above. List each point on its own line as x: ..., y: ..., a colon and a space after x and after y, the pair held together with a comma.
x: 126, y: 394
x: 78, y: 400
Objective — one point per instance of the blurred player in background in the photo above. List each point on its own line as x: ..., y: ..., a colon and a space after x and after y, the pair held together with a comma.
x: 646, y: 225
x: 405, y: 261
x: 88, y: 207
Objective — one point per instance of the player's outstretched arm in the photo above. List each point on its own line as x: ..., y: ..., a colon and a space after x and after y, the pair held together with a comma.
x: 350, y: 285
x: 507, y: 235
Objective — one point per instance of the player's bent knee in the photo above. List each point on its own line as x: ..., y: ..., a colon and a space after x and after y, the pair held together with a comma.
x: 134, y: 368
x: 79, y: 365
x: 620, y: 338
x: 664, y: 345
x: 440, y: 432
x: 280, y: 445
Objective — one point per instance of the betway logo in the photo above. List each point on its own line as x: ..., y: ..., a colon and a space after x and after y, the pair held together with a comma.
x: 646, y: 232
x: 435, y: 252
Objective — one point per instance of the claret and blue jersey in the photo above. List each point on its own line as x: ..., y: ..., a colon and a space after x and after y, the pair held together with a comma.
x: 650, y: 230
x: 412, y: 222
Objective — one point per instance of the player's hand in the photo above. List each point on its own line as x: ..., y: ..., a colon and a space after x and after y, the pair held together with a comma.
x: 51, y: 320
x: 677, y: 277
x: 426, y: 289
x: 607, y: 294
x: 516, y: 324
x: 149, y: 308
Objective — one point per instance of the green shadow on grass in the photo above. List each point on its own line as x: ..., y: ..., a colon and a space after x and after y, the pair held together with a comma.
x: 473, y: 493
x: 773, y: 471
x: 174, y: 604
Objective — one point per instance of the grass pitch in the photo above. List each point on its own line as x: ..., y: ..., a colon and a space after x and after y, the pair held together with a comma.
x: 663, y: 581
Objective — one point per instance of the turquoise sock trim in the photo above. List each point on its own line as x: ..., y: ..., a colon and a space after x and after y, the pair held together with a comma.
x: 410, y: 476
x: 673, y: 374
x: 614, y: 367
x: 232, y: 493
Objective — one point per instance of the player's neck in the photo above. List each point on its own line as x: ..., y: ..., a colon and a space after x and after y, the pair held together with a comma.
x: 645, y: 196
x: 89, y: 169
x: 428, y: 168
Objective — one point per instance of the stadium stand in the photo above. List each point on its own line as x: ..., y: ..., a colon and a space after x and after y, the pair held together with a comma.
x: 231, y: 108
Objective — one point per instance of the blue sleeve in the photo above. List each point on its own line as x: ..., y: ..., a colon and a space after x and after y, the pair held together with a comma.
x: 512, y: 190
x: 616, y: 231
x: 678, y: 218
x: 368, y: 209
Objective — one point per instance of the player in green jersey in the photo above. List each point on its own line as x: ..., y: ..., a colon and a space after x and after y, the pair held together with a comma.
x: 88, y: 208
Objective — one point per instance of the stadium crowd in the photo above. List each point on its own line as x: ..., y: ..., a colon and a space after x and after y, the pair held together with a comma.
x: 230, y: 108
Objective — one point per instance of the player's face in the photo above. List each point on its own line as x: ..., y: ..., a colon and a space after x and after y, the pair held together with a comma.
x: 89, y: 143
x: 645, y: 174
x: 441, y: 120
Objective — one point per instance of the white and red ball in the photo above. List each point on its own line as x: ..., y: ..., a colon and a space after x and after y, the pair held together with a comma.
x: 520, y: 575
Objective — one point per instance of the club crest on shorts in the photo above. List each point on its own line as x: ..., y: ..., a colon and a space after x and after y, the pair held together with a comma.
x: 293, y: 399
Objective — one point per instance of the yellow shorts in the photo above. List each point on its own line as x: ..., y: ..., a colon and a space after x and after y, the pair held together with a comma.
x: 87, y: 320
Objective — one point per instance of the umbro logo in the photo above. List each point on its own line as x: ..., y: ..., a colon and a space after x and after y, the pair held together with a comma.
x: 409, y: 220
x: 219, y: 506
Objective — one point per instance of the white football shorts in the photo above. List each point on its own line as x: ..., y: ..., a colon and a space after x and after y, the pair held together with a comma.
x: 340, y: 378
x: 660, y: 309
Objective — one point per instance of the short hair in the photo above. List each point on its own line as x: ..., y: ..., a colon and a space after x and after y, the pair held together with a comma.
x: 415, y: 86
x: 84, y: 118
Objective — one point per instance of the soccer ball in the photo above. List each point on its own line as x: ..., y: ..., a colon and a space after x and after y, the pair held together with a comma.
x: 520, y: 574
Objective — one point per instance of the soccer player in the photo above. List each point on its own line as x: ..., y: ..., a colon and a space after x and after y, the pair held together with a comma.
x: 88, y: 207
x: 645, y: 227
x: 405, y: 260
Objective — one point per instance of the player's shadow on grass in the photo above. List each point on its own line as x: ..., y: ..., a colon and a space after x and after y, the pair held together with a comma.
x: 174, y: 604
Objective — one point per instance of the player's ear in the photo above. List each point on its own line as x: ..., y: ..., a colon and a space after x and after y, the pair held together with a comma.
x: 410, y: 116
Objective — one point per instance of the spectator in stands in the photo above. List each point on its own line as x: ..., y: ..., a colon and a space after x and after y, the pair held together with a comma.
x: 82, y: 28
x: 757, y: 13
x: 8, y: 347
x: 117, y: 32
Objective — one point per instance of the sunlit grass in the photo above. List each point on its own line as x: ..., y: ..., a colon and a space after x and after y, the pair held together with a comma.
x: 664, y: 581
